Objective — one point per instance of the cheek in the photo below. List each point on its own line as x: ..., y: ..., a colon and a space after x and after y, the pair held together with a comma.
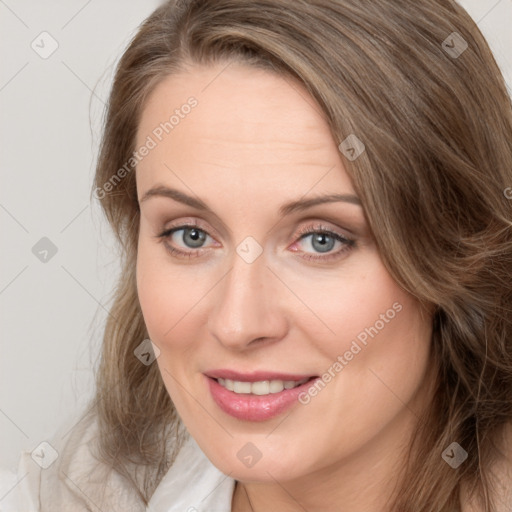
x: 167, y: 307
x: 163, y: 299
x: 155, y: 296
x: 171, y: 297
x: 358, y: 304
x: 385, y: 358
x: 377, y: 339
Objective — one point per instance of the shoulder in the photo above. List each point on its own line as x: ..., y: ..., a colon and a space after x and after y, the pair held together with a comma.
x: 17, y: 492
x: 62, y: 474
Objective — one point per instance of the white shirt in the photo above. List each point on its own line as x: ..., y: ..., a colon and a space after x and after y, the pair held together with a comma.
x: 192, y: 484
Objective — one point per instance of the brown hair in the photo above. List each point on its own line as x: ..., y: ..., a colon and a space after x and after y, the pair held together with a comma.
x: 437, y: 129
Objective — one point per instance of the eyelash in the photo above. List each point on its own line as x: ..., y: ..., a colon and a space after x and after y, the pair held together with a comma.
x: 302, y: 233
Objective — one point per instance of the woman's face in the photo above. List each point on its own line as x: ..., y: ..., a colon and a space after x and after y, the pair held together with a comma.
x: 255, y: 264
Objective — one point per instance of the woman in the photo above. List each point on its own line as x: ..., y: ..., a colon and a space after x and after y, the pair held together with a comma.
x: 314, y: 309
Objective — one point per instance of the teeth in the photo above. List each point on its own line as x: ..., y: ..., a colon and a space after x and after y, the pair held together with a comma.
x: 276, y: 386
x: 263, y: 387
x: 241, y: 387
x: 260, y: 388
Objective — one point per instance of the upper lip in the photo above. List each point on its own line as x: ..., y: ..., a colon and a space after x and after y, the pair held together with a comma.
x: 255, y: 376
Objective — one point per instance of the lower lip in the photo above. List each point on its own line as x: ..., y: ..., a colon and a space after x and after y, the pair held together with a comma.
x: 255, y: 407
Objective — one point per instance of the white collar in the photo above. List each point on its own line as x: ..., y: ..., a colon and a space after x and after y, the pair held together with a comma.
x: 192, y: 484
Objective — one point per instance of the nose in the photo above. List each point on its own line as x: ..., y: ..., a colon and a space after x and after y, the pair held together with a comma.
x: 247, y: 306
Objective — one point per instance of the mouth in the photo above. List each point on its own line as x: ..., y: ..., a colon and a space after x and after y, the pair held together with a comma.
x: 253, y: 398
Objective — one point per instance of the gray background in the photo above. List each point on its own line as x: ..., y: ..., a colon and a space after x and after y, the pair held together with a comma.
x: 52, y: 313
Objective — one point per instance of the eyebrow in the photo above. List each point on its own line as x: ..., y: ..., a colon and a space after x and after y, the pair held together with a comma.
x: 285, y: 209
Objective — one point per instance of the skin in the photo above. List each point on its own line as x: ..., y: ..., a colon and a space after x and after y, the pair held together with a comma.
x: 254, y: 142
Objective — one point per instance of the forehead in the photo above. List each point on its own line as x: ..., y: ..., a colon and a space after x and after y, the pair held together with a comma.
x: 239, y: 101
x: 248, y: 120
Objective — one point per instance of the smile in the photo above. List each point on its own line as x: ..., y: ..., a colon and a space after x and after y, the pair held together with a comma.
x: 262, y: 387
x: 259, y: 396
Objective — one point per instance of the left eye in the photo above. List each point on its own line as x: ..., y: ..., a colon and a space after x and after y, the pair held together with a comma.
x: 322, y: 241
